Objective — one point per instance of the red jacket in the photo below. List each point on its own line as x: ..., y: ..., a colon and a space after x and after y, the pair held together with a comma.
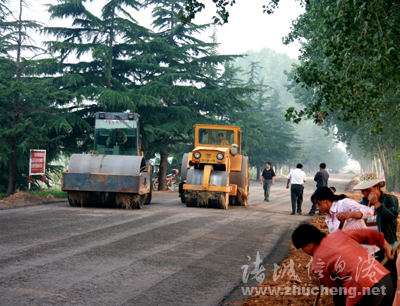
x: 340, y: 261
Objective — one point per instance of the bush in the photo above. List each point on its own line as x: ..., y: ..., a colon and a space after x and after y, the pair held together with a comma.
x: 57, y: 193
x: 252, y: 175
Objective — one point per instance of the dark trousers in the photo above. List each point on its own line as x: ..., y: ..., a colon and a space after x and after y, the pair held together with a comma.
x: 371, y: 299
x: 391, y: 266
x: 296, y: 194
x: 313, y: 209
x: 267, y: 188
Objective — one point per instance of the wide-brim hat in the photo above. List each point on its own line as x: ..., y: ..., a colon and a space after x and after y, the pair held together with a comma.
x: 368, y: 180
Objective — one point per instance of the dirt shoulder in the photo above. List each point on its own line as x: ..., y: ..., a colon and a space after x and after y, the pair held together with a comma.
x: 24, y: 199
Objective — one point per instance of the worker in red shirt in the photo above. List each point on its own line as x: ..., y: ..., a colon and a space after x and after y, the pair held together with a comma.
x: 341, y: 263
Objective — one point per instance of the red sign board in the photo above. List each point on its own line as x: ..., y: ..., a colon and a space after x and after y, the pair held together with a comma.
x: 37, y: 162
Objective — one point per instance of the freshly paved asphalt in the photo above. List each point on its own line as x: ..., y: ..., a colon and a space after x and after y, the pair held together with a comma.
x: 164, y: 254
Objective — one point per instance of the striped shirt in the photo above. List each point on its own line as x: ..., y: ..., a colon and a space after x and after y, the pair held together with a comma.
x: 371, y: 222
x: 346, y: 206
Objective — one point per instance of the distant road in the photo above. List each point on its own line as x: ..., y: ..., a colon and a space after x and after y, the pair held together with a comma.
x: 164, y: 254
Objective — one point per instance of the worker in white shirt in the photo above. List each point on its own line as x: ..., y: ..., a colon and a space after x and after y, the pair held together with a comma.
x: 296, y: 178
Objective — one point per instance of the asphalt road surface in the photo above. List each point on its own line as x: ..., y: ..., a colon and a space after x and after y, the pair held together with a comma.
x: 164, y: 254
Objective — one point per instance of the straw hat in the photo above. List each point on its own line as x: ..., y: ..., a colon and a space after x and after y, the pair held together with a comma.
x: 368, y: 180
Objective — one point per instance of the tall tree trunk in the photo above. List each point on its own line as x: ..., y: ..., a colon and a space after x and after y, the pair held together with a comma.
x: 172, y: 19
x: 12, y: 179
x: 392, y: 169
x: 162, y: 178
x: 110, y: 46
x: 162, y: 175
x: 380, y: 168
x: 395, y: 183
x: 258, y: 173
x: 383, y: 161
x: 376, y: 166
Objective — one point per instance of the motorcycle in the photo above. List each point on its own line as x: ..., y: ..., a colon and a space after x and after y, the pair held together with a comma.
x: 171, y: 180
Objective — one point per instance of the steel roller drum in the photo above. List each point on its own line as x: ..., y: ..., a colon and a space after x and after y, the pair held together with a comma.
x: 218, y: 178
x: 106, y: 164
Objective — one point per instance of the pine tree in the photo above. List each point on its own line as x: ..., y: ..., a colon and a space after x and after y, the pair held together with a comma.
x: 187, y: 86
x: 30, y: 103
x: 103, y: 57
x: 266, y: 135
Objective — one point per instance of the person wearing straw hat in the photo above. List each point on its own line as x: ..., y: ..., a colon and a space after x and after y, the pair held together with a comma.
x: 385, y: 206
x: 386, y: 211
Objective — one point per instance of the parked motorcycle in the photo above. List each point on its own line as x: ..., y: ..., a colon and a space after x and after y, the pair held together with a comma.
x: 171, y: 180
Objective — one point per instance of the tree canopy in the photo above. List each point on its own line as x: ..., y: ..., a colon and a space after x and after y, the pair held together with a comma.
x: 106, y: 61
x: 347, y: 78
x: 350, y: 58
x: 192, y: 7
x: 32, y: 105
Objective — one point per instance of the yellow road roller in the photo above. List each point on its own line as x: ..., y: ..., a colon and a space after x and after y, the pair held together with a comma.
x: 215, y: 174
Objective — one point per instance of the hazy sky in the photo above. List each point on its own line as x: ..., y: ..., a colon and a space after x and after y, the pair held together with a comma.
x: 248, y: 27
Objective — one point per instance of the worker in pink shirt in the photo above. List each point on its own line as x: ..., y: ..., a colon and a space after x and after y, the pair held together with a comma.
x: 342, y: 264
x: 340, y: 208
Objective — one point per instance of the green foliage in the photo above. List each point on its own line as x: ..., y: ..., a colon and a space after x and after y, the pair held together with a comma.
x: 318, y: 146
x: 266, y: 135
x: 348, y: 76
x: 371, y: 149
x: 189, y: 89
x: 350, y: 59
x: 361, y: 143
x: 348, y: 72
x: 191, y: 7
x: 57, y: 193
x: 114, y: 42
x: 270, y: 68
x: 31, y: 102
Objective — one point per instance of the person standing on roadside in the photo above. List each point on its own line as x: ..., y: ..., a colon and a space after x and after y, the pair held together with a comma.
x: 267, y: 179
x: 321, y: 177
x: 296, y: 178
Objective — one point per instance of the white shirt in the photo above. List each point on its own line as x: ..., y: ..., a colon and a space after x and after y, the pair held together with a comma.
x: 297, y: 176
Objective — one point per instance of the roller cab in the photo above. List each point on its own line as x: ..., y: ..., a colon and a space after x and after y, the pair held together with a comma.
x: 215, y: 174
